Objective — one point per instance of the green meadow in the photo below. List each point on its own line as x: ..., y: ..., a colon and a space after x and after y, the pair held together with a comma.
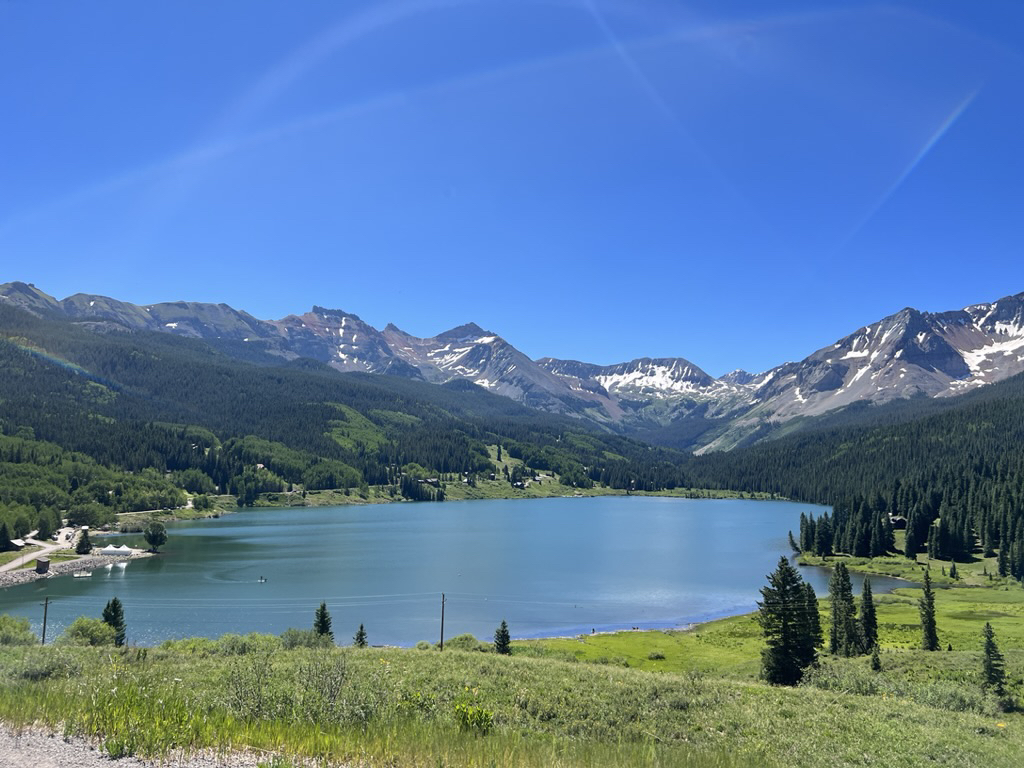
x: 645, y: 698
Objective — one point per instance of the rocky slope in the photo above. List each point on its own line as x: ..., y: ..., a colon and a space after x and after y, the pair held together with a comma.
x: 908, y: 354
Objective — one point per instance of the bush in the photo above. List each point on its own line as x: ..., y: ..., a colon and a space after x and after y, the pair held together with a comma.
x: 44, y: 663
x: 16, y: 631
x: 473, y: 718
x: 193, y: 646
x: 86, y: 631
x: 304, y: 638
x: 467, y: 642
x: 239, y: 645
x: 655, y: 656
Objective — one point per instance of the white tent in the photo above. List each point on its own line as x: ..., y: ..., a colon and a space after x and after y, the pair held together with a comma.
x: 110, y: 549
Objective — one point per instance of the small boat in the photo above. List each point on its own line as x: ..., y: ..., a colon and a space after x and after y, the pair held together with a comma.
x: 82, y: 574
x: 261, y: 580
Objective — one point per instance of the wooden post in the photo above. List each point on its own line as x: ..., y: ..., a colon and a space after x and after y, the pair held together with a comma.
x: 46, y: 608
x: 442, y: 621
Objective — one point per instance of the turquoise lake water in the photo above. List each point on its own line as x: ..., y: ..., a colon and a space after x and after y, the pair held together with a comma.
x: 547, y: 566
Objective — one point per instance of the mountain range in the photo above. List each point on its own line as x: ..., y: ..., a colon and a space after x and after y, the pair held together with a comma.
x: 910, y: 354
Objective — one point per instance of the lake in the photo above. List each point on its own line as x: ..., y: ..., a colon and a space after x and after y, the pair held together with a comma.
x: 548, y: 566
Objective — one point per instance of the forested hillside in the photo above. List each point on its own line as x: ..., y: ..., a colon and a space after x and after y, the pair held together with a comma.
x: 96, y: 423
x: 955, y: 478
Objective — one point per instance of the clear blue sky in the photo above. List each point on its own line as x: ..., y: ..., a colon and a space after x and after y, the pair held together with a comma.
x: 737, y: 183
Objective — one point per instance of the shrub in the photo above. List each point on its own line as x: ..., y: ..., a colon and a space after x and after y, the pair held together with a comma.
x: 86, y: 631
x: 472, y: 718
x: 467, y: 642
x: 238, y: 645
x: 44, y: 663
x: 16, y: 631
x: 655, y: 656
x: 304, y: 638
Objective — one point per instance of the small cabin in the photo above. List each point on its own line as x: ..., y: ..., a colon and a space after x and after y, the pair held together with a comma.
x: 42, y: 565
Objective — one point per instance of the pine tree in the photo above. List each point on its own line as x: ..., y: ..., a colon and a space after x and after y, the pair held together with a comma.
x: 876, y: 661
x: 787, y: 625
x: 113, y: 615
x: 926, y: 605
x: 84, y: 546
x: 5, y: 538
x: 502, y: 639
x: 868, y: 618
x: 322, y: 622
x: 843, y: 638
x: 993, y: 671
x: 359, y: 640
x: 813, y: 617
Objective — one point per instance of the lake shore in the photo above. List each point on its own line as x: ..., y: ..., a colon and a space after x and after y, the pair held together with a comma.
x: 84, y: 563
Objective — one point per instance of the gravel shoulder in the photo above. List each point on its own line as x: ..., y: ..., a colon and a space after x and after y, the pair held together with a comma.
x: 42, y: 748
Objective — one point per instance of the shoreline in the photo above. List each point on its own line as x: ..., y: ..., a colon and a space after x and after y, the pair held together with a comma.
x: 336, y: 498
x: 88, y: 563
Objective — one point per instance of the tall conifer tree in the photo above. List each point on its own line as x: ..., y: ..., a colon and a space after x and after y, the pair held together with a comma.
x: 844, y: 637
x: 868, y: 618
x: 322, y: 622
x: 926, y: 605
x: 113, y: 615
x: 787, y: 623
x: 993, y: 672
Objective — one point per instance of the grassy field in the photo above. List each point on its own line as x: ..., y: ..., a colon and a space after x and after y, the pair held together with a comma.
x: 398, y: 707
x: 7, y: 557
x: 645, y: 698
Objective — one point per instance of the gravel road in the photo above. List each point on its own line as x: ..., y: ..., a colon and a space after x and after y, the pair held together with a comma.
x: 34, y: 748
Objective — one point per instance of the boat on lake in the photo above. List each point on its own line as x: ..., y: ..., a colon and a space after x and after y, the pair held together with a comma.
x: 82, y: 574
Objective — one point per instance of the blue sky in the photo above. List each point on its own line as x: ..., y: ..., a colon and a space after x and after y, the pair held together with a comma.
x: 736, y: 183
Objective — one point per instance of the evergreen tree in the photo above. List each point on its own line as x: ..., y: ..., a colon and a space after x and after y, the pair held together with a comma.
x: 876, y: 661
x: 84, y: 546
x: 993, y: 672
x: 926, y: 605
x: 787, y: 625
x: 113, y: 615
x: 813, y: 617
x: 5, y: 538
x: 823, y: 544
x: 322, y: 622
x: 359, y: 641
x: 868, y: 618
x: 502, y: 640
x: 843, y: 638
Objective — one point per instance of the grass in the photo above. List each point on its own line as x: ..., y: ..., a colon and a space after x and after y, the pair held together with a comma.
x: 644, y: 698
x: 399, y: 708
x: 12, y: 555
x: 58, y: 556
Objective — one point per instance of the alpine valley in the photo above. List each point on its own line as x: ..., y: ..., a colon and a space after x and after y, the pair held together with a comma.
x: 909, y: 356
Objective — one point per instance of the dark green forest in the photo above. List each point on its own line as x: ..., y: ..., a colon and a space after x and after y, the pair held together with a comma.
x: 953, y: 477
x: 99, y: 423
x: 93, y: 423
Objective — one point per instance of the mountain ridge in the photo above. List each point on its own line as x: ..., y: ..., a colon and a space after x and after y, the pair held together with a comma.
x: 908, y: 354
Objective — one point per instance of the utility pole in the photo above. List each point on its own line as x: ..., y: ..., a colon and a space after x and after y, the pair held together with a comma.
x: 46, y: 608
x: 442, y: 621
